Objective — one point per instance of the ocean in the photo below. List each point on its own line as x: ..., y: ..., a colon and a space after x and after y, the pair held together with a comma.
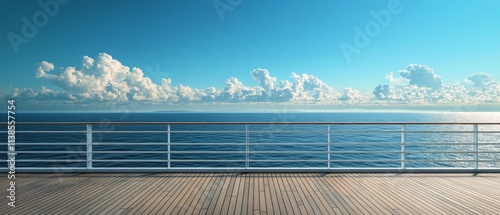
x: 351, y: 146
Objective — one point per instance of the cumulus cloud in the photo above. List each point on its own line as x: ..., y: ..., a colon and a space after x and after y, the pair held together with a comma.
x: 481, y: 80
x: 351, y: 95
x: 425, y: 87
x: 264, y: 79
x: 422, y: 76
x: 396, y: 81
x: 105, y: 79
x: 311, y: 88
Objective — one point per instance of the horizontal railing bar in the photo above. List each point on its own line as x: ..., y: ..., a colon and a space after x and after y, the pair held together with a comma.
x: 206, y: 152
x: 45, y: 132
x: 42, y: 160
x: 173, y: 144
x: 407, y: 143
x: 201, y: 161
x: 289, y: 161
x: 124, y: 152
x: 427, y: 144
x: 207, y: 131
x: 259, y: 131
x: 251, y: 152
x: 284, y: 161
x: 317, y: 132
x: 255, y: 144
x: 289, y: 144
x: 125, y: 131
x: 141, y: 131
x: 257, y: 123
x: 364, y: 143
x: 407, y: 131
x: 448, y: 161
x: 206, y: 144
x: 46, y: 144
x: 363, y: 152
x: 260, y: 169
x: 287, y: 152
x: 450, y: 152
x: 409, y: 161
x: 137, y: 144
x: 46, y: 152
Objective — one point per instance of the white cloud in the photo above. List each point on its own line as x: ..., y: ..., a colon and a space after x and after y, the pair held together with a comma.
x: 422, y: 76
x: 105, y: 79
x: 311, y: 88
x: 482, y: 80
x: 352, y: 95
x: 396, y: 81
x: 425, y: 87
x: 264, y: 79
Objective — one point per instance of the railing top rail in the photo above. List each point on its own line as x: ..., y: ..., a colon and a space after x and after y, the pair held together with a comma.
x: 257, y: 123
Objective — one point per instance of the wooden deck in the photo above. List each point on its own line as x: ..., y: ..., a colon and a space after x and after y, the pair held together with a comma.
x: 253, y: 193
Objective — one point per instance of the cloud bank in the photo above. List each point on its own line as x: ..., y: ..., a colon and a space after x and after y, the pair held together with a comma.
x: 105, y: 79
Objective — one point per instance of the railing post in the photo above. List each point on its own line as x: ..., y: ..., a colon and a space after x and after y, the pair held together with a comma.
x: 168, y: 145
x: 247, y: 148
x: 403, y: 146
x: 329, y: 144
x: 476, y: 147
x: 89, y: 146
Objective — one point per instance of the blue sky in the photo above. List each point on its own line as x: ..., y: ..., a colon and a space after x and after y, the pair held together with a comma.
x: 202, y: 44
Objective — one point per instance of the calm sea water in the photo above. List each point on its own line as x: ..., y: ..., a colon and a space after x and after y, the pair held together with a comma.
x: 306, y: 145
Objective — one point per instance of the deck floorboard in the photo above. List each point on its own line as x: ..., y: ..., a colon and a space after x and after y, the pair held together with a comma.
x: 254, y: 193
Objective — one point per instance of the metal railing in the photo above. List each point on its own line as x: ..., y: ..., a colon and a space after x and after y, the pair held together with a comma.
x: 256, y: 147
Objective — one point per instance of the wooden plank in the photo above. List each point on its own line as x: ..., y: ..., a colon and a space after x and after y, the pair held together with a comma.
x: 433, y: 200
x: 302, y: 194
x: 345, y: 193
x: 103, y: 199
x: 378, y: 189
x: 271, y: 202
x: 297, y: 200
x: 205, y: 194
x: 196, y: 197
x: 219, y: 204
x: 332, y: 197
x: 185, y: 200
x: 256, y: 193
x: 361, y: 195
x: 277, y: 191
x: 94, y: 198
x: 211, y: 200
x: 232, y: 195
x: 246, y: 195
x: 240, y: 195
x: 284, y: 194
x: 262, y: 195
x: 322, y: 203
x: 394, y: 199
x: 133, y: 197
x: 48, y: 189
x: 309, y: 194
x: 171, y: 184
